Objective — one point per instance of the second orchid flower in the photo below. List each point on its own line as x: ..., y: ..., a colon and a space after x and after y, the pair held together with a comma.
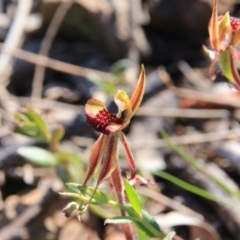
x: 224, y: 34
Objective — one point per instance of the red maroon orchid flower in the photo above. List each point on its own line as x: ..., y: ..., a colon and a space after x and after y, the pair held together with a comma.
x: 105, y: 150
x: 224, y: 34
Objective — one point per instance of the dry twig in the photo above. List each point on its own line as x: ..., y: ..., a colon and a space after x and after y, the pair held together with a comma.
x: 46, y: 45
x: 55, y: 64
x: 15, y: 37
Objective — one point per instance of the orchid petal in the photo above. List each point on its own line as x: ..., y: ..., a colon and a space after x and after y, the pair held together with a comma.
x: 129, y: 155
x: 100, y: 119
x: 213, y: 28
x: 138, y: 92
x: 96, y: 156
x: 225, y: 32
x: 110, y: 160
x: 124, y: 105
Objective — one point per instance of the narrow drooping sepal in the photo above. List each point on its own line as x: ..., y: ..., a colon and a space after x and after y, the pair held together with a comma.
x: 117, y: 185
x: 137, y: 95
x: 100, y: 119
x: 129, y: 155
x: 96, y: 156
x: 110, y: 160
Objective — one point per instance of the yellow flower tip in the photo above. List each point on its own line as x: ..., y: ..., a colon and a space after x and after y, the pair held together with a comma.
x: 124, y: 105
x: 94, y: 106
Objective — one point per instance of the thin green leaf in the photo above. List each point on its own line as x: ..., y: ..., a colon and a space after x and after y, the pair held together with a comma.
x: 73, y: 187
x: 146, y: 224
x: 57, y: 135
x: 189, y: 159
x: 133, y: 197
x: 170, y: 236
x: 21, y: 117
x: 29, y: 130
x: 119, y: 67
x: 38, y: 156
x: 120, y: 220
x: 150, y: 220
x: 226, y: 66
x: 75, y: 196
x: 36, y: 118
x: 87, y: 191
x: 191, y: 188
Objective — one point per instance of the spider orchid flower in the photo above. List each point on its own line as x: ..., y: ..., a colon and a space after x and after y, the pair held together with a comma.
x: 224, y: 34
x: 104, y: 152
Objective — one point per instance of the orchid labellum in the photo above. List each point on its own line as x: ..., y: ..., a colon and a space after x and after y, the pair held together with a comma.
x: 224, y: 34
x: 104, y: 152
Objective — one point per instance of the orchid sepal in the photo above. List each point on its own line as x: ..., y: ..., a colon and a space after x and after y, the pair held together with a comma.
x: 96, y: 156
x: 213, y: 28
x: 129, y: 155
x: 137, y: 95
x: 110, y: 160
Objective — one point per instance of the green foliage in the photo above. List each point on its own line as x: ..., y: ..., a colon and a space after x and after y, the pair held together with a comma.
x: 170, y: 236
x: 119, y: 67
x: 193, y: 162
x: 87, y: 192
x: 191, y: 188
x: 32, y: 125
x: 69, y: 166
x: 57, y: 136
x: 38, y: 156
x: 133, y: 197
x: 120, y: 220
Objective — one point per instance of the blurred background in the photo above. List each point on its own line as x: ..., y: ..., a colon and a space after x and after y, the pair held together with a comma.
x: 57, y: 54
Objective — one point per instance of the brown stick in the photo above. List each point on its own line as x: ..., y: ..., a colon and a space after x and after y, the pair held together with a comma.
x: 46, y: 45
x: 55, y: 64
